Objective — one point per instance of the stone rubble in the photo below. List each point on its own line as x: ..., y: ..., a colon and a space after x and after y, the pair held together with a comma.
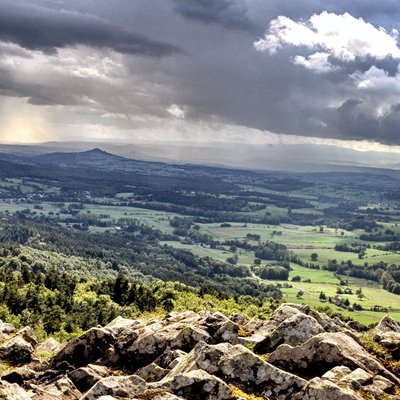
x: 298, y: 354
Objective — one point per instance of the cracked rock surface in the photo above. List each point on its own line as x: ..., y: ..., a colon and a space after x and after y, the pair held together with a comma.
x: 298, y: 354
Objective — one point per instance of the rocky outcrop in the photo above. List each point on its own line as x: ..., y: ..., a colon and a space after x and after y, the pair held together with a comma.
x: 19, y: 348
x: 297, y: 354
x: 85, y: 349
x: 238, y: 364
x: 320, y: 389
x: 85, y: 377
x: 126, y: 387
x: 323, y: 352
x: 50, y: 345
x: 387, y: 334
x: 12, y: 391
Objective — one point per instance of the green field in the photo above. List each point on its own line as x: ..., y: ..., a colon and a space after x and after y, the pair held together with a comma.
x: 326, y: 281
x: 293, y: 236
x: 245, y: 257
x: 324, y: 255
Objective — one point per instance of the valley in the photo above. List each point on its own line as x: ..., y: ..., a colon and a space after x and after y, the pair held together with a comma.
x: 335, y: 233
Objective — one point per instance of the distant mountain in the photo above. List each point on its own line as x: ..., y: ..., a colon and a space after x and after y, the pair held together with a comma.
x: 90, y: 157
x: 277, y: 157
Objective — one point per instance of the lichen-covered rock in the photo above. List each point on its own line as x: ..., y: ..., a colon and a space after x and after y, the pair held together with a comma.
x: 170, y: 359
x: 336, y: 374
x: 265, y: 336
x: 387, y: 334
x: 194, y: 356
x: 188, y: 337
x: 28, y: 335
x: 144, y: 346
x: 360, y: 381
x: 16, y: 351
x: 20, y: 375
x: 120, y: 324
x: 19, y: 349
x: 152, y: 372
x: 228, y: 332
x: 357, y: 326
x: 386, y: 325
x: 294, y: 330
x: 126, y: 387
x: 323, y: 352
x: 319, y: 389
x: 136, y: 353
x: 236, y: 363
x: 237, y: 318
x: 6, y: 328
x: 85, y: 349
x: 166, y: 396
x: 381, y: 388
x: 85, y: 377
x: 356, y: 379
x: 59, y: 389
x: 197, y: 385
x: 12, y: 391
x: 49, y: 345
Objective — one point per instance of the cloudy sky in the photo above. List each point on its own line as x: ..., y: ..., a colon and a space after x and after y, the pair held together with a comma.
x: 201, y: 70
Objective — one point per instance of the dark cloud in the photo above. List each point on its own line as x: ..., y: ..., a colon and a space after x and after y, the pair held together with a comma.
x: 220, y: 79
x: 40, y: 28
x: 228, y: 13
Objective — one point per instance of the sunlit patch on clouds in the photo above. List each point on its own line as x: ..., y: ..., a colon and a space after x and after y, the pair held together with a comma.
x: 341, y: 37
x: 319, y: 62
x: 378, y: 80
x: 176, y: 111
x: 22, y: 122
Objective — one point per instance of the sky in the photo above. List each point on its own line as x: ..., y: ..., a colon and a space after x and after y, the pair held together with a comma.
x: 201, y: 71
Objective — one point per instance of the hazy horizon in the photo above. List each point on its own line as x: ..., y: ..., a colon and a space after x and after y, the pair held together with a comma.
x: 230, y: 71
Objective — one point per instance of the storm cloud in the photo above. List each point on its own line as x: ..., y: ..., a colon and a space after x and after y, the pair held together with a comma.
x: 38, y: 28
x: 179, y: 68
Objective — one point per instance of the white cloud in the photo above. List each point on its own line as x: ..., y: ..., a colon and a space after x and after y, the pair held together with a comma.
x: 378, y: 80
x: 342, y: 37
x: 317, y: 62
x: 176, y: 111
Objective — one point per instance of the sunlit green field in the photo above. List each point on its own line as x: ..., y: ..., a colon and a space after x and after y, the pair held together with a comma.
x: 372, y: 256
x: 365, y: 317
x: 245, y: 257
x: 293, y: 236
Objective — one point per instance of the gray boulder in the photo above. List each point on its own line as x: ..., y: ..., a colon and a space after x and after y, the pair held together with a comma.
x: 197, y: 385
x: 152, y: 373
x: 85, y: 377
x: 126, y: 387
x: 120, y: 324
x: 319, y: 389
x: 17, y: 350
x: 85, y: 349
x: 170, y: 359
x: 387, y: 334
x: 294, y: 330
x: 6, y: 328
x: 61, y: 388
x: 323, y: 352
x: 49, y: 345
x: 238, y: 364
x: 12, y: 391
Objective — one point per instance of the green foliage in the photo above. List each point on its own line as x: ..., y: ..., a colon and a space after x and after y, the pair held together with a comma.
x: 63, y: 305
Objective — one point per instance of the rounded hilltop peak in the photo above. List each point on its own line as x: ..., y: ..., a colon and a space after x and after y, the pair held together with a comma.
x: 96, y: 150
